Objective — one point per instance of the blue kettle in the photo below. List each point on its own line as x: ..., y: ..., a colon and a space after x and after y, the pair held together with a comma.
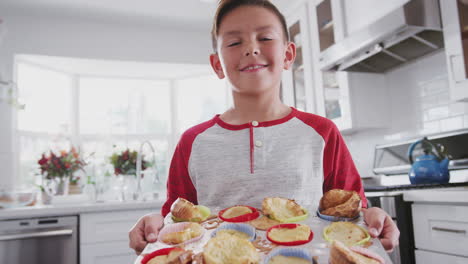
x: 432, y: 167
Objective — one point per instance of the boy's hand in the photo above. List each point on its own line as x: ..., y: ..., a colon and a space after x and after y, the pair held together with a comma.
x: 381, y: 225
x: 145, y: 231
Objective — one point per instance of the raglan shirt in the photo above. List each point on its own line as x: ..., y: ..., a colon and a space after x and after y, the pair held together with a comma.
x: 299, y: 157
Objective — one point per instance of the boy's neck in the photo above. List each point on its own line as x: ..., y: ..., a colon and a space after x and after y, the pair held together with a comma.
x: 259, y: 108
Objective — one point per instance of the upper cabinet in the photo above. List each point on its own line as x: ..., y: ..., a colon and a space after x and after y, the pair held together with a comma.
x: 351, y: 100
x: 455, y: 21
x: 297, y: 86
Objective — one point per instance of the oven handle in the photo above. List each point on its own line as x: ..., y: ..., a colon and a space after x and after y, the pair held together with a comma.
x: 458, y: 231
x: 64, y: 232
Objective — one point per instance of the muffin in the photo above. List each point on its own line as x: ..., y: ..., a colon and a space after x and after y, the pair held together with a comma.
x: 225, y: 248
x: 281, y: 209
x: 183, y: 210
x: 192, y: 230
x: 340, y: 203
x: 284, y: 235
x: 236, y: 211
x: 340, y: 254
x: 348, y: 233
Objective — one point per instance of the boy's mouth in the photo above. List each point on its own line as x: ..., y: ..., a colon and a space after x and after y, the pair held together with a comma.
x: 253, y: 67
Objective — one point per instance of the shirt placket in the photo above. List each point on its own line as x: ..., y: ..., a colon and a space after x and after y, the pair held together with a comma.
x: 256, y: 144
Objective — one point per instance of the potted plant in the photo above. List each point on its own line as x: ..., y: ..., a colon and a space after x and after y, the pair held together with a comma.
x: 125, y: 163
x: 60, y: 168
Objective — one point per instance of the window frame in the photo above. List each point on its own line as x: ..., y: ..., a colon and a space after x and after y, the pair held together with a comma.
x: 77, y: 139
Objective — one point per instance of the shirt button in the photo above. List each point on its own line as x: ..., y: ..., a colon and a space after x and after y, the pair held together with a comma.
x: 258, y: 143
x: 254, y: 123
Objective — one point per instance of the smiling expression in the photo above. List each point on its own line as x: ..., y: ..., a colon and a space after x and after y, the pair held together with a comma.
x: 252, y: 50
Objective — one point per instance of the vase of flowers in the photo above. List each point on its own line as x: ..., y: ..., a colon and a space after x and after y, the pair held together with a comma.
x: 58, y: 169
x: 124, y: 164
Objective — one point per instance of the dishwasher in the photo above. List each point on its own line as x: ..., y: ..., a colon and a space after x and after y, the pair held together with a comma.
x: 50, y: 240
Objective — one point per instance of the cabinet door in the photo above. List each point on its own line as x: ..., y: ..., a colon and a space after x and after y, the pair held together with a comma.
x: 331, y: 88
x: 109, y: 226
x: 455, y: 22
x: 297, y: 86
x: 427, y: 257
x: 107, y: 253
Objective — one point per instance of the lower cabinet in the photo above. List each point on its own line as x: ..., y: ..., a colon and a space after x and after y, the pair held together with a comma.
x: 428, y: 257
x: 440, y: 233
x: 104, y: 236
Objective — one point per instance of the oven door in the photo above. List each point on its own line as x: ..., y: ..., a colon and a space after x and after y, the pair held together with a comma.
x: 400, y: 211
x: 39, y: 240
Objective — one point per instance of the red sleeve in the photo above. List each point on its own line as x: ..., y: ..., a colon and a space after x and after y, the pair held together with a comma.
x: 338, y: 166
x: 179, y: 183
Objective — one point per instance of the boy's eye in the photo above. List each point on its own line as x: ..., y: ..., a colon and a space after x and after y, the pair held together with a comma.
x: 265, y: 39
x: 233, y: 44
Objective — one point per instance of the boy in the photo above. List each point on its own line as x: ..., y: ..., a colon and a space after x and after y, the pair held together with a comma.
x: 260, y: 147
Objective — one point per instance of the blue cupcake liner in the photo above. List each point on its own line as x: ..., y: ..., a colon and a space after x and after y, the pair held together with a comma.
x: 337, y: 218
x: 244, y: 228
x: 289, y: 252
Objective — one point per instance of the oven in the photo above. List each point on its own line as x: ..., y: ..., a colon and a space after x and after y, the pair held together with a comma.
x: 50, y: 240
x: 400, y: 211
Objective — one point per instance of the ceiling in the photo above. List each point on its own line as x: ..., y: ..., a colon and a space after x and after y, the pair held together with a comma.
x: 192, y: 13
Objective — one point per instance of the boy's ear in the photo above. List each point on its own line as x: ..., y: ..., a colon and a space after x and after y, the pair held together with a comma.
x: 216, y: 65
x: 290, y: 55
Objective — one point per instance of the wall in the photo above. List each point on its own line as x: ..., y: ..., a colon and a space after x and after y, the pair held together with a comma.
x: 419, y: 105
x: 77, y: 37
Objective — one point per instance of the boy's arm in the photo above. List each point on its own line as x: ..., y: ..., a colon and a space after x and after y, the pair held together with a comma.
x: 179, y: 183
x: 338, y: 166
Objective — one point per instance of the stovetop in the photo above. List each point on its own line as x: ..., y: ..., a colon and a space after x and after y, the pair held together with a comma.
x: 370, y: 188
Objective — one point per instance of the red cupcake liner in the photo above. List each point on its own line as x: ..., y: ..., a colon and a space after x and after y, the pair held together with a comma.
x: 291, y: 243
x: 241, y: 218
x: 159, y: 252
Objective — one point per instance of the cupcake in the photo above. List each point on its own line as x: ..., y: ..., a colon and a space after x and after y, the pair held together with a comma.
x: 341, y: 254
x: 283, y: 210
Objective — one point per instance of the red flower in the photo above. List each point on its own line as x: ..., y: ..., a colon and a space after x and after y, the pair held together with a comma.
x: 43, y: 160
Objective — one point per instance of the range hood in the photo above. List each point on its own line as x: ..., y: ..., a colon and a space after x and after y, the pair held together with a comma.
x: 410, y: 32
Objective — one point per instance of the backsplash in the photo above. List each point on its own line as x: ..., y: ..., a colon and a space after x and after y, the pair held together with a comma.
x: 419, y: 105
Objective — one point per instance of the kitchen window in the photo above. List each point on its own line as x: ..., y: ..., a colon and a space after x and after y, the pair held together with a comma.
x: 102, y: 114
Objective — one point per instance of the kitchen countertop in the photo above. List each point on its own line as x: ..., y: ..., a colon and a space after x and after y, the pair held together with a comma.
x: 76, y: 208
x: 448, y: 195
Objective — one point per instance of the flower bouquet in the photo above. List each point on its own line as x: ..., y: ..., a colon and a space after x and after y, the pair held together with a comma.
x: 61, y: 167
x: 125, y: 162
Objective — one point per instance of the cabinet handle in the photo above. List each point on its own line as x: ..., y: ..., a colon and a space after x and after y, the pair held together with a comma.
x: 457, y: 231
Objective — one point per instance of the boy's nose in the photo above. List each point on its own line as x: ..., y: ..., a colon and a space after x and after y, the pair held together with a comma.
x: 252, y: 49
x: 254, y: 52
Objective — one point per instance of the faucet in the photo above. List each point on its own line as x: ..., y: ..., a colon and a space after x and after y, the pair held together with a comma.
x: 137, y: 193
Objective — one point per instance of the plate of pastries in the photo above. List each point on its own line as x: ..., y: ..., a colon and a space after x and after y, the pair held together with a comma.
x: 281, y: 231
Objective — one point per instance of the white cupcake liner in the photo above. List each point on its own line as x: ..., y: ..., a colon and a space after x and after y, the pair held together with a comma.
x: 289, y: 252
x: 177, y: 227
x: 244, y: 228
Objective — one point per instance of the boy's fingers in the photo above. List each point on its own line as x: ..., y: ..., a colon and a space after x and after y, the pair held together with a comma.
x: 152, y: 225
x: 391, y: 234
x: 375, y: 220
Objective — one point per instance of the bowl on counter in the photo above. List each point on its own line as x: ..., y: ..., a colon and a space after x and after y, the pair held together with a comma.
x: 17, y: 198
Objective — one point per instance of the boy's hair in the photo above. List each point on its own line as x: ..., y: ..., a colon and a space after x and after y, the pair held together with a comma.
x: 226, y: 6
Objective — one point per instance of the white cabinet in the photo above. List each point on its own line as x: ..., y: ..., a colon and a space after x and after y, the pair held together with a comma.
x: 297, y: 86
x: 440, y: 233
x: 455, y: 25
x: 104, y: 236
x: 362, y: 13
x: 352, y: 101
x: 427, y: 257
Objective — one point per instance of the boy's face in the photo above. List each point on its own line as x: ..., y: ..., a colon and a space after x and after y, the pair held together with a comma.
x: 252, y: 50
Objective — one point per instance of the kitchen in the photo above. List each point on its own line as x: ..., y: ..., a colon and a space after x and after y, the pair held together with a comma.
x: 404, y: 101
